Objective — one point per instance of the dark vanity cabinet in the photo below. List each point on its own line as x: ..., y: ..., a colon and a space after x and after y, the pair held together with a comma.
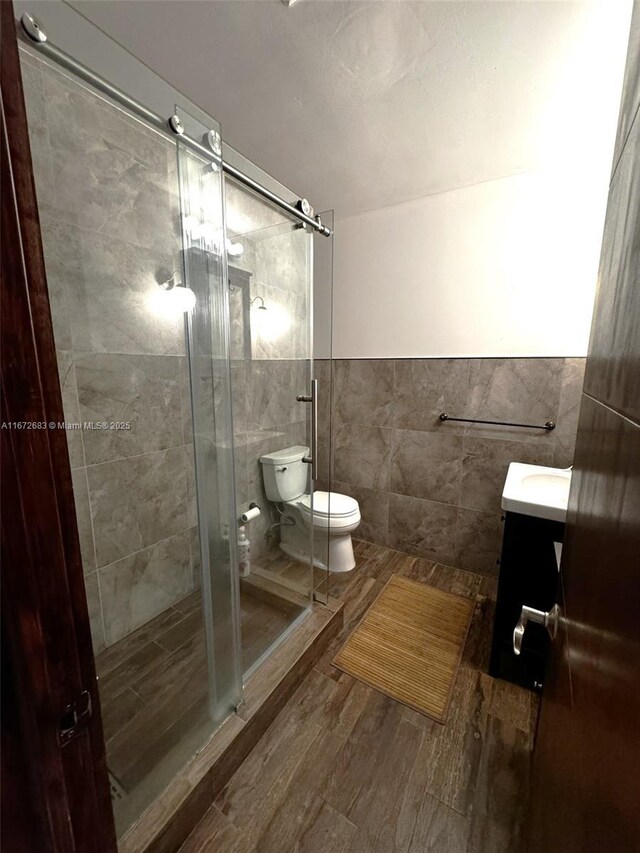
x: 528, y: 575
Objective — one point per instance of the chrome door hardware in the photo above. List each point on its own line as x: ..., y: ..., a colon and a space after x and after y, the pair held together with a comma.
x: 313, y: 399
x: 175, y: 124
x: 549, y: 619
x: 38, y: 38
x: 303, y: 205
x: 32, y: 27
x: 75, y: 717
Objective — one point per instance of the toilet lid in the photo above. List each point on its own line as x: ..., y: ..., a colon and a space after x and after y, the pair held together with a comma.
x: 329, y: 503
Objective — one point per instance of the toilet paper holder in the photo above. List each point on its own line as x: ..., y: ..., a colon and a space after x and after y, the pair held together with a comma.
x: 250, y: 514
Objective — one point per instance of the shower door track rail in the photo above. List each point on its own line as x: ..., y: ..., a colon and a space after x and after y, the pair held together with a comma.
x: 38, y: 38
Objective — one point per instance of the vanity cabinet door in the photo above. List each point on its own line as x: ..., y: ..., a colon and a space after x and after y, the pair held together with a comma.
x: 528, y: 575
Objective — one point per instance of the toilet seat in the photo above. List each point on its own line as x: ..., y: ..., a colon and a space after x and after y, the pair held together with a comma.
x: 330, y: 509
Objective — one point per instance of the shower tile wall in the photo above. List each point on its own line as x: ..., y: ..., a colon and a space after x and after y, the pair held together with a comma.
x: 431, y: 488
x: 107, y: 193
x: 269, y: 364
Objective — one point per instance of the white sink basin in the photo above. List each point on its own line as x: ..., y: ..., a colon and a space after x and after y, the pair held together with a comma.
x: 536, y: 490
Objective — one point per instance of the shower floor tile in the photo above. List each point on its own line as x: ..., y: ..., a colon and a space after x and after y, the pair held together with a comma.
x: 262, y: 624
x: 154, y: 699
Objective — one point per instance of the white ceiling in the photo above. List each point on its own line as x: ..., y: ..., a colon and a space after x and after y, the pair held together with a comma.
x: 359, y: 105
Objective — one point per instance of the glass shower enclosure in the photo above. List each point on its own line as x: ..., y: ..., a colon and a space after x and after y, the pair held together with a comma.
x: 182, y: 305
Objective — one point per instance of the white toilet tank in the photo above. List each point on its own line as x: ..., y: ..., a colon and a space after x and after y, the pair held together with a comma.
x: 285, y: 474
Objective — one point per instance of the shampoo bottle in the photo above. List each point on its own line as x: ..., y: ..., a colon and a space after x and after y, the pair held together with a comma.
x: 244, y: 553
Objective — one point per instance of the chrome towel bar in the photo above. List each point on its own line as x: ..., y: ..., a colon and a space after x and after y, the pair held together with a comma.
x: 549, y: 425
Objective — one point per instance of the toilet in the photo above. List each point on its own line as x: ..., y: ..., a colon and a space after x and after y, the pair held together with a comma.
x: 333, y: 519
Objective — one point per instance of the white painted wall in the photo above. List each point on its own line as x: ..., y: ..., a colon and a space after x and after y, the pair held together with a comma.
x: 507, y: 267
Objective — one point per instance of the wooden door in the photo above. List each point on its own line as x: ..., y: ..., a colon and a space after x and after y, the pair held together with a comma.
x: 585, y: 794
x: 55, y: 791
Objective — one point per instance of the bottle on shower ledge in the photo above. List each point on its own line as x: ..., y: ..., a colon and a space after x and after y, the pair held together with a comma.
x: 244, y: 553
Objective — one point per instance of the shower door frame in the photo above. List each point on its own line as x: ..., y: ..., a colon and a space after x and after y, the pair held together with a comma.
x: 205, y: 272
x: 55, y: 788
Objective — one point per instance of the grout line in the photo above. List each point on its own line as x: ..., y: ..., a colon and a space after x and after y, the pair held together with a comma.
x: 146, y: 548
x: 102, y: 620
x: 475, y: 574
x: 86, y: 482
x: 182, y: 400
x: 141, y: 698
x: 139, y: 455
x: 611, y: 409
x: 623, y: 146
x: 85, y: 352
x: 152, y: 640
x: 77, y: 399
x: 454, y: 358
x: 416, y: 497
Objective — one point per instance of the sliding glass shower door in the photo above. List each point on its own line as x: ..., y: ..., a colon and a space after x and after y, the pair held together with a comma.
x: 270, y: 294
x: 129, y: 294
x: 204, y: 275
x: 190, y: 338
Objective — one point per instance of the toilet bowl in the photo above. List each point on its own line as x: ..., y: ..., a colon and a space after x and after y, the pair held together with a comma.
x: 326, y: 519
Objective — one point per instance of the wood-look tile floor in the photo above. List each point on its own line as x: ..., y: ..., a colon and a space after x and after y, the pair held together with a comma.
x: 345, y: 769
x: 154, y: 694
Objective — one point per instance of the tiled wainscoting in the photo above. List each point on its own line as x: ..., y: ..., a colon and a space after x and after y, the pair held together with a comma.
x: 430, y: 488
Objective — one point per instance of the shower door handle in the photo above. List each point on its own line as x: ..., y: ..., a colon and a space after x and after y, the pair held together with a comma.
x: 313, y: 399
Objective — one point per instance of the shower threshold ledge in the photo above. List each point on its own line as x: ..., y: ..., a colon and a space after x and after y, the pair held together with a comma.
x: 167, y: 822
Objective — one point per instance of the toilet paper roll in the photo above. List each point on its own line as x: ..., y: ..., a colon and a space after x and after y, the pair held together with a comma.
x: 251, y: 513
